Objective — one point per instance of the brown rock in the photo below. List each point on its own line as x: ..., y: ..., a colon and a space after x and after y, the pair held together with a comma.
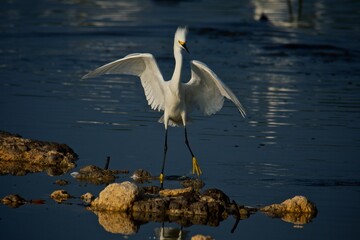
x: 60, y: 196
x: 297, y: 210
x: 175, y: 192
x: 215, y: 195
x: 297, y: 204
x: 87, y: 198
x: 116, y: 197
x: 13, y: 200
x: 14, y: 148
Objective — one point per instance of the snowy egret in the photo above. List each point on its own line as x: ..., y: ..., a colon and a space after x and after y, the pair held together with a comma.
x: 205, y: 91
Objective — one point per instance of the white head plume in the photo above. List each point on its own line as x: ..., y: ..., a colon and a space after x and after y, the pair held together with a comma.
x: 180, y: 34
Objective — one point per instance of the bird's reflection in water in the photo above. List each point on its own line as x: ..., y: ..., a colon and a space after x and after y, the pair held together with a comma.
x: 170, y: 233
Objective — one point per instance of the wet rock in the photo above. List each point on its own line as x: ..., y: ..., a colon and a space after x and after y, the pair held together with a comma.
x: 151, y: 190
x: 36, y: 155
x: 151, y: 205
x: 60, y: 195
x: 141, y: 175
x: 97, y: 175
x: 116, y: 197
x: 215, y: 195
x: 181, y: 204
x: 13, y: 200
x: 87, y: 198
x: 117, y: 222
x: 201, y: 237
x: 297, y: 204
x: 175, y: 192
x: 194, y: 183
x: 298, y: 210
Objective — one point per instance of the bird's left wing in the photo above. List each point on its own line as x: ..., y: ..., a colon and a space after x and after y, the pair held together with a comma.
x: 206, y: 92
x: 144, y: 66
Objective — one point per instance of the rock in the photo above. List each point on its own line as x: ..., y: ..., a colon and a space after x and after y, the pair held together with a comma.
x: 151, y: 205
x: 13, y: 200
x: 116, y: 197
x: 60, y: 195
x: 201, y: 237
x: 194, y: 183
x: 87, y: 198
x: 43, y: 155
x: 181, y: 204
x: 97, y: 175
x: 141, y: 175
x: 215, y: 195
x: 297, y: 204
x: 151, y: 189
x: 175, y: 192
x: 297, y: 210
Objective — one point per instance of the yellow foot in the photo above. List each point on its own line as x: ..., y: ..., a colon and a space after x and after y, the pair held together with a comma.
x: 196, y: 168
x: 161, y: 178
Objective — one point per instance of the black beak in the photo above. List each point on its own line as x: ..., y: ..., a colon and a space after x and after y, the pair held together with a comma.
x: 185, y: 47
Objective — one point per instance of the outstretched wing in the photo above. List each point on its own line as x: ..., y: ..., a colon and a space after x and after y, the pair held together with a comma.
x: 206, y: 92
x: 144, y: 66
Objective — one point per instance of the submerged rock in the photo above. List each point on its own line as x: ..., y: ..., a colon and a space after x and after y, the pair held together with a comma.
x: 116, y: 197
x: 62, y: 182
x: 13, y: 200
x: 19, y: 156
x: 60, y: 195
x: 297, y: 210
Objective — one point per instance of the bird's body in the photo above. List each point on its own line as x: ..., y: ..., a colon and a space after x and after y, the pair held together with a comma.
x: 205, y: 91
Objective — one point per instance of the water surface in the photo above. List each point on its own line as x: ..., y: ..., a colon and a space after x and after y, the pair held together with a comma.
x: 297, y: 78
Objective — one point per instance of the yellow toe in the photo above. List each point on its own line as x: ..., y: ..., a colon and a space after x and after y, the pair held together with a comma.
x: 196, y: 168
x: 161, y: 178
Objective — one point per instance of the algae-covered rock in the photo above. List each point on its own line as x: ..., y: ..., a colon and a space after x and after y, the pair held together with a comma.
x: 116, y: 197
x: 17, y: 152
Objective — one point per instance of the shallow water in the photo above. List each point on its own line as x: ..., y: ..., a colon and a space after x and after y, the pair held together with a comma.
x: 299, y: 82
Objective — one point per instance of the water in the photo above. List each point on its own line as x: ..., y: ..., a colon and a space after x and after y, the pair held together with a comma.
x: 297, y: 79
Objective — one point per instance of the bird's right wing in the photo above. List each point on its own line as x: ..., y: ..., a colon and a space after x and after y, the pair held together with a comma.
x: 206, y: 92
x: 144, y: 66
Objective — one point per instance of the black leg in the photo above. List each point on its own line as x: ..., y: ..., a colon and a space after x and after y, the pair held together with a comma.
x: 187, y: 143
x: 164, y: 159
x: 196, y: 167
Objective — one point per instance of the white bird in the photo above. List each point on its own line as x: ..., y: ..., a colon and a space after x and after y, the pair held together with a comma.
x: 205, y: 91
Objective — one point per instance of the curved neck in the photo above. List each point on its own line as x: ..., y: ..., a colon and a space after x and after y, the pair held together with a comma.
x: 178, y: 65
